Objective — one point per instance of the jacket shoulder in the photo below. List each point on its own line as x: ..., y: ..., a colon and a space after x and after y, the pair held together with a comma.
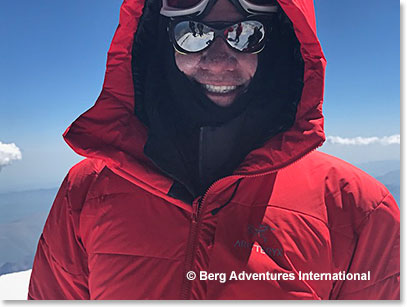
x: 80, y: 178
x: 329, y: 162
x: 339, y: 172
x: 347, y: 188
x: 330, y: 189
x: 364, y: 225
x: 85, y: 168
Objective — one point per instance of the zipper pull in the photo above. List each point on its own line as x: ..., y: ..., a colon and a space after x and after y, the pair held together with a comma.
x: 195, y: 208
x: 216, y: 210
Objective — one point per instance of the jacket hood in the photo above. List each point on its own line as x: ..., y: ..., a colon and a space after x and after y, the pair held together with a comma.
x: 110, y: 130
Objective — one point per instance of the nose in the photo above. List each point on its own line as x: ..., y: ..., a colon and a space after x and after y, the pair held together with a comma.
x: 218, y: 57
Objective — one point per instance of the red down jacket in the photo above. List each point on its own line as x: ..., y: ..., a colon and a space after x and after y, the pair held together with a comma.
x: 114, y: 233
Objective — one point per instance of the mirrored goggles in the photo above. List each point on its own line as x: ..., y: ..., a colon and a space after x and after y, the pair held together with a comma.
x: 175, y: 8
x: 189, y: 36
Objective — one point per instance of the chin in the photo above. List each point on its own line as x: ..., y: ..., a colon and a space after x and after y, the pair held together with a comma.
x: 221, y: 101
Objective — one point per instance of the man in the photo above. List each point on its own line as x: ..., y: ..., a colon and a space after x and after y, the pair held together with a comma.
x: 202, y: 180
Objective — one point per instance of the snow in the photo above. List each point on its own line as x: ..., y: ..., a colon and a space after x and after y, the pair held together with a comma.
x: 14, y: 286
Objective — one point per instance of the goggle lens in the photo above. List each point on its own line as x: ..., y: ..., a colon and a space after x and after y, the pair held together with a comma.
x: 246, y: 36
x: 193, y: 36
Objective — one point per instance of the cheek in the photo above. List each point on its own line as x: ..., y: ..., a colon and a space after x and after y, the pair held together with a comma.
x: 187, y: 63
x: 248, y: 63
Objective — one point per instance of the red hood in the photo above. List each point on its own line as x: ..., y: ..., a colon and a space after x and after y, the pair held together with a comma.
x: 110, y: 131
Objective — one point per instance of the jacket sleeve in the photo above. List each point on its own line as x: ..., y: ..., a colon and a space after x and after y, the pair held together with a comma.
x: 60, y: 264
x: 377, y: 251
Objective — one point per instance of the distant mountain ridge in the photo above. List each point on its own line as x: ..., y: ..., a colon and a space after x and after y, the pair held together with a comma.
x: 392, y: 182
x: 392, y: 177
x: 18, y: 205
x: 22, y: 219
x: 387, y: 172
x: 379, y: 168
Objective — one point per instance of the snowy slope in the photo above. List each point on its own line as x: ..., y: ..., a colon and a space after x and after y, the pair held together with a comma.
x: 14, y: 286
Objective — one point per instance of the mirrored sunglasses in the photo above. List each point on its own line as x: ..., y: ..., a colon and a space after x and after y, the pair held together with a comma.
x: 189, y: 36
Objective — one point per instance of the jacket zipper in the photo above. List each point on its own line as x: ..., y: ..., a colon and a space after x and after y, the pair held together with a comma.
x: 191, y: 249
x: 196, y: 222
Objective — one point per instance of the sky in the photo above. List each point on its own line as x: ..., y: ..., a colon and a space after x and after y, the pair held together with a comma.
x: 53, y: 56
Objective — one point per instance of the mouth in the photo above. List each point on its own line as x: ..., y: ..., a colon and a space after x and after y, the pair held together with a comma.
x: 219, y: 89
x: 222, y: 95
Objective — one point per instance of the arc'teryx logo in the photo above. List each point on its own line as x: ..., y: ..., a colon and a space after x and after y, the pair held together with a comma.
x: 259, y: 231
x: 260, y: 234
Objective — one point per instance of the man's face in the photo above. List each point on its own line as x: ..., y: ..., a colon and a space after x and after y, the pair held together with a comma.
x: 223, y: 73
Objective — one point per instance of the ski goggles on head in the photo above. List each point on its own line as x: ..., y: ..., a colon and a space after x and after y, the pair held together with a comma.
x: 191, y: 36
x: 175, y: 8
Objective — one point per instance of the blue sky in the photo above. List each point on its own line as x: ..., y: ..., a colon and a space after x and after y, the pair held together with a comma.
x: 53, y: 60
x: 361, y: 41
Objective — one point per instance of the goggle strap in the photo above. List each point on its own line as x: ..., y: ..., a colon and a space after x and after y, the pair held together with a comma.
x: 198, y: 9
x: 205, y: 5
x: 254, y: 8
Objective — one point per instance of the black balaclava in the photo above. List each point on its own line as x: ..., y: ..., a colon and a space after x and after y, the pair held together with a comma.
x: 192, y: 139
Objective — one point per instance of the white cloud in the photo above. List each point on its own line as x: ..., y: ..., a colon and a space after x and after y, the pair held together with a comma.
x: 386, y: 140
x: 9, y: 153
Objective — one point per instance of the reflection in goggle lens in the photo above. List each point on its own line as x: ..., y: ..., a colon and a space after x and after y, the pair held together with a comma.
x: 245, y: 36
x: 193, y: 36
